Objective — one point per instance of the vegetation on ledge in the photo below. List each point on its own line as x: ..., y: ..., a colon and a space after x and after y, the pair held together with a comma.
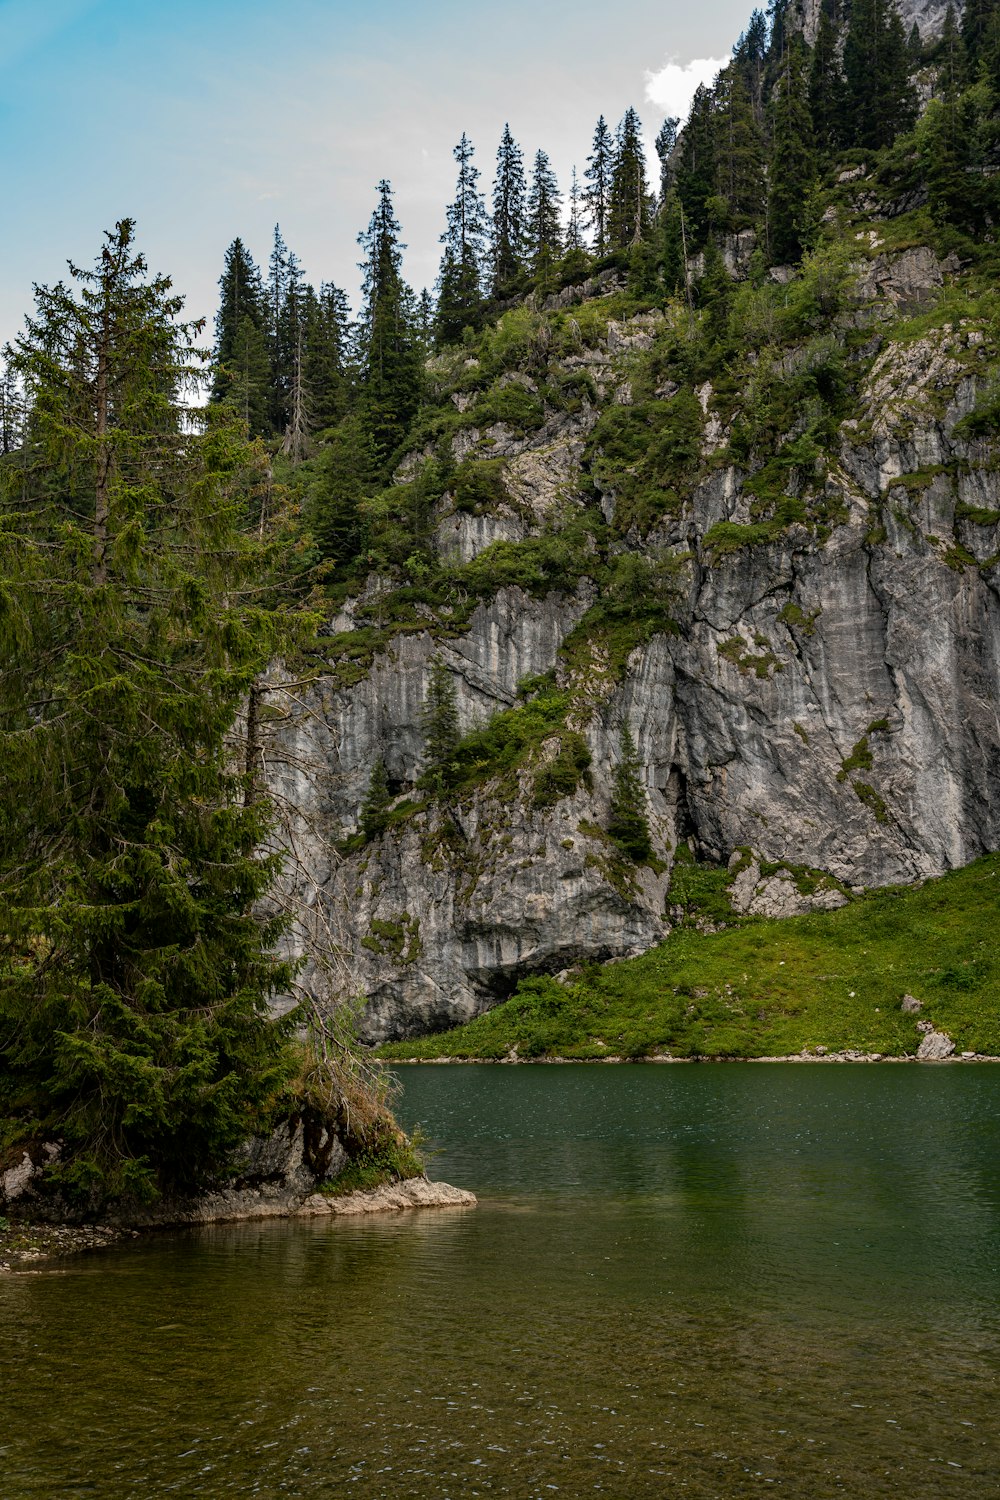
x: 771, y: 988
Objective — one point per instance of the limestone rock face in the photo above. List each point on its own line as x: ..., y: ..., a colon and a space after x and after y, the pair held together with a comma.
x: 827, y: 702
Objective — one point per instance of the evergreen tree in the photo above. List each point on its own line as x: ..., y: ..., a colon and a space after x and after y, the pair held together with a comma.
x: 951, y: 58
x: 793, y: 162
x: 827, y: 96
x: 880, y: 98
x: 389, y: 346
x: 739, y: 149
x: 597, y: 194
x: 134, y: 1021
x: 341, y: 475
x: 576, y: 238
x: 666, y: 140
x: 11, y: 408
x: 242, y: 369
x: 629, y: 826
x: 673, y: 249
x: 425, y: 322
x: 439, y: 722
x: 460, y: 294
x: 980, y: 19
x: 695, y: 176
x: 327, y: 338
x: 544, y: 226
x: 750, y: 57
x: 375, y: 807
x: 507, y: 241
x: 628, y: 208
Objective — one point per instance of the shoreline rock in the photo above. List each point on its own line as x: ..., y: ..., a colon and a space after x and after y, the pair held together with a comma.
x: 24, y: 1243
x: 794, y: 1057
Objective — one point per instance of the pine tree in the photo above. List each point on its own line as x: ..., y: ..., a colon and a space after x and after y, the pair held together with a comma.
x: 695, y: 176
x: 576, y: 238
x: 879, y: 95
x: 375, y: 807
x: 597, y: 194
x: 134, y: 1021
x: 629, y: 826
x: 750, y: 57
x: 628, y: 210
x: 242, y: 371
x: 341, y: 475
x: 460, y: 293
x: 980, y: 19
x: 388, y: 343
x: 673, y: 257
x: 666, y: 140
x: 507, y: 240
x: 827, y: 96
x: 793, y: 162
x: 11, y: 408
x: 439, y: 722
x: 543, y: 221
x: 951, y: 58
x: 739, y: 149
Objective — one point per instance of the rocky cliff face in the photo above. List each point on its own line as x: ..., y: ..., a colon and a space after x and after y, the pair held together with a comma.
x: 927, y: 15
x: 824, y: 700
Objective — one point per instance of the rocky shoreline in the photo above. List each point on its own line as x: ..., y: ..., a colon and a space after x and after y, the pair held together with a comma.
x: 24, y: 1243
x: 794, y: 1057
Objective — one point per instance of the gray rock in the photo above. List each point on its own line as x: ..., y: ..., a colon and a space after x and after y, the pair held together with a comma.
x: 909, y: 1005
x: 935, y: 1047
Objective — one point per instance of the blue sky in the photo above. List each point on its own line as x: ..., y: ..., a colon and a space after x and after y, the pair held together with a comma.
x: 207, y: 119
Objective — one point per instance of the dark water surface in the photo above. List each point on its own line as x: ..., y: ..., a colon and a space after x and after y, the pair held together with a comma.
x: 713, y: 1280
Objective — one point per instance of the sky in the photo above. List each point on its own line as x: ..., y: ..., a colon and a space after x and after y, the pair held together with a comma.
x: 209, y: 119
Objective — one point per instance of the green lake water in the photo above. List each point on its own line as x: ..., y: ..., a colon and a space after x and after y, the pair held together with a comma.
x: 714, y: 1280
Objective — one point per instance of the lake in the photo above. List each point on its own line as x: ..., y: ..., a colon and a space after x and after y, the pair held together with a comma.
x: 714, y: 1280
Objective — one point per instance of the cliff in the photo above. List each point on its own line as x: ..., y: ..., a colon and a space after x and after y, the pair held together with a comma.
x: 764, y: 536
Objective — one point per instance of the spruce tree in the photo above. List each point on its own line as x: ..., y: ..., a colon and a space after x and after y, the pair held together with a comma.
x: 598, y: 175
x: 695, y: 176
x: 793, y: 162
x: 242, y: 369
x: 507, y: 239
x: 666, y: 140
x: 628, y: 210
x: 629, y: 826
x: 739, y: 150
x: 576, y: 238
x: 543, y: 222
x: 439, y: 722
x: 879, y: 96
x: 460, y: 292
x: 388, y: 342
x: 327, y: 334
x: 134, y: 1023
x: 827, y: 95
x: 375, y: 807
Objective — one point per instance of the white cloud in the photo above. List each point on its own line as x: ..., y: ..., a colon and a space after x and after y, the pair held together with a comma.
x: 672, y: 86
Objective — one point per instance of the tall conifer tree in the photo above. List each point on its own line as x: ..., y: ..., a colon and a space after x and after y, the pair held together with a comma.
x: 507, y: 240
x: 544, y: 227
x: 598, y: 175
x: 460, y: 292
x: 793, y: 161
x: 628, y: 211
x: 388, y: 343
x: 134, y: 1020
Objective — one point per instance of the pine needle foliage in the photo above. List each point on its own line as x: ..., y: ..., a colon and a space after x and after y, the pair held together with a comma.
x: 136, y: 559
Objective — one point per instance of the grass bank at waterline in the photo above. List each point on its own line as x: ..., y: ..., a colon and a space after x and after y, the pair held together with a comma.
x: 769, y: 988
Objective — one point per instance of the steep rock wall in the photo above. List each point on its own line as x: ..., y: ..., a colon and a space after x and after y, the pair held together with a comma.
x: 829, y: 698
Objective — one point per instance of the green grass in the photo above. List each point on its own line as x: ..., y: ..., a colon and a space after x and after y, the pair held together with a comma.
x: 772, y: 988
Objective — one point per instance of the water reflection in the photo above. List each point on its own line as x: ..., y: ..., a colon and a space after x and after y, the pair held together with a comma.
x: 700, y: 1281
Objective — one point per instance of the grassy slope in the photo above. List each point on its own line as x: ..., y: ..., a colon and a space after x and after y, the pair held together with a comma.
x: 771, y: 988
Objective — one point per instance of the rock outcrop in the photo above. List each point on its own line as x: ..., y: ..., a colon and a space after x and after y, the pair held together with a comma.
x: 825, y: 702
